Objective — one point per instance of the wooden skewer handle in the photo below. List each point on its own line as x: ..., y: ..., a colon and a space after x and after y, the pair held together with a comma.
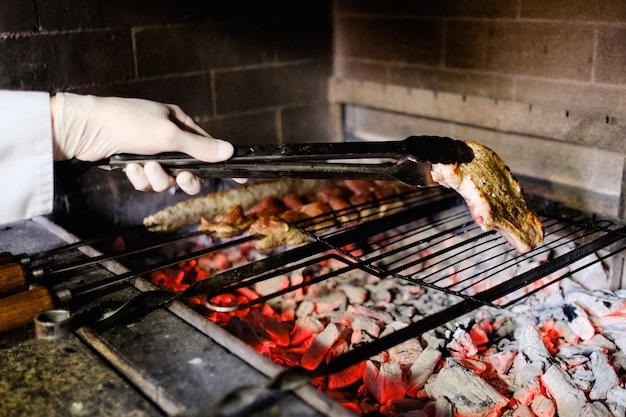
x: 6, y: 257
x: 12, y: 279
x: 20, y: 309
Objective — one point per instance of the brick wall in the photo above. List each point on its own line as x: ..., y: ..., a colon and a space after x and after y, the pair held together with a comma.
x: 252, y: 71
x: 247, y: 71
x: 565, y: 53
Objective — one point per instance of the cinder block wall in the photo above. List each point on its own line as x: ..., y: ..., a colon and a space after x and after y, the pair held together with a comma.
x: 252, y: 71
x: 248, y: 71
x: 566, y: 53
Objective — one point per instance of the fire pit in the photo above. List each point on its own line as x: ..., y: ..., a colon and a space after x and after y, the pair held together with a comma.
x: 421, y: 310
x: 395, y: 305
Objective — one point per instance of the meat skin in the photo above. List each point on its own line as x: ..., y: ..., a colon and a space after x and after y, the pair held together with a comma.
x: 494, y: 197
x: 189, y: 212
x: 273, y: 218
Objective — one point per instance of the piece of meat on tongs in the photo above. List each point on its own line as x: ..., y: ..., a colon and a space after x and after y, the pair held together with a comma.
x: 494, y: 197
x: 474, y: 171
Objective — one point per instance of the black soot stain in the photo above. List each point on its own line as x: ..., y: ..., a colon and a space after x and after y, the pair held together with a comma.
x: 570, y: 312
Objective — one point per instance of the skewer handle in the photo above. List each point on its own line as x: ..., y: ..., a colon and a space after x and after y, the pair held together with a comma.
x: 6, y: 257
x: 20, y: 309
x: 12, y: 279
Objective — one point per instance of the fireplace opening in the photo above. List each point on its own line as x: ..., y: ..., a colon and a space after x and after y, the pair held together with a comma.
x: 484, y: 329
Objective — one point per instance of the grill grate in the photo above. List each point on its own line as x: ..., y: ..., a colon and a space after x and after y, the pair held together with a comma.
x: 427, y: 237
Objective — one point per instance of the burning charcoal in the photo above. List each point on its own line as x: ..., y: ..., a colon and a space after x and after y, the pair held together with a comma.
x: 279, y: 331
x: 346, y: 377
x: 355, y: 294
x: 305, y: 309
x: 527, y: 380
x: 249, y: 333
x: 271, y: 285
x: 422, y: 369
x: 597, y: 303
x: 532, y: 347
x: 573, y: 360
x: 405, y: 407
x: 406, y: 313
x: 613, y: 327
x: 566, y: 332
x: 605, y: 377
x: 474, y: 365
x: 469, y: 393
x: 601, y: 342
x: 569, y: 399
x: 392, y: 327
x: 522, y: 410
x: 406, y: 353
x: 503, y: 327
x: 328, y: 302
x: 366, y: 324
x: 432, y: 340
x: 444, y: 407
x: 542, y: 407
x: 501, y: 361
x: 385, y: 383
x: 595, y: 409
x: 619, y: 360
x: 305, y: 328
x: 286, y: 308
x: 598, y: 343
x: 462, y: 344
x: 483, y: 263
x: 582, y: 378
x: 401, y: 315
x: 320, y: 347
x: 616, y: 398
x: 579, y: 321
x: 360, y: 336
x: 591, y: 277
x: 529, y: 365
x: 480, y: 333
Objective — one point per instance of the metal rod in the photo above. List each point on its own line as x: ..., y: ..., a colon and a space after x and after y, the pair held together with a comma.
x: 70, y: 246
x: 91, y: 289
x: 16, y: 277
x: 365, y: 351
x: 81, y: 263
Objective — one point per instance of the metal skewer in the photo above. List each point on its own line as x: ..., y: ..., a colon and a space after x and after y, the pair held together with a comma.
x: 27, y: 259
x: 15, y: 276
x: 20, y: 309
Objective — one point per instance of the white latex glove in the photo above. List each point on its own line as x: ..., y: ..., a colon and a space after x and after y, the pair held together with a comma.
x: 91, y: 128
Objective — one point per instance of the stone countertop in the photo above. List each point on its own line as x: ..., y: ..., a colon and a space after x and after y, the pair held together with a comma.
x: 156, y: 365
x: 60, y: 377
x: 64, y: 378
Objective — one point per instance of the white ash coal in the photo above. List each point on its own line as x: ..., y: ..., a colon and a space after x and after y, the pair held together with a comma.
x: 559, y: 352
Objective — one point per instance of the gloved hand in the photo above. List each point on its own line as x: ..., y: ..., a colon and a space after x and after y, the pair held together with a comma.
x: 91, y: 128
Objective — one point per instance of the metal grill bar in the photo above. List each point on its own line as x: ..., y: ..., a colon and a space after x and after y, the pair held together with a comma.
x: 426, y: 237
x: 448, y: 252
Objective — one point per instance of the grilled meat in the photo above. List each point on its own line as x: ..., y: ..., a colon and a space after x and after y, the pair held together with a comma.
x: 494, y: 197
x: 273, y: 217
x: 189, y: 212
x: 230, y: 224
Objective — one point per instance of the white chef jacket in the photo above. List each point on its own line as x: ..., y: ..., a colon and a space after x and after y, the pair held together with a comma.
x: 26, y: 155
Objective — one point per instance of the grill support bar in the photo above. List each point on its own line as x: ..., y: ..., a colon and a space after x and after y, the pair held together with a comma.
x: 362, y: 352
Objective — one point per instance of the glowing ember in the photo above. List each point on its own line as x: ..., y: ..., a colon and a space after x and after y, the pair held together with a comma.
x: 561, y: 350
x: 502, y: 358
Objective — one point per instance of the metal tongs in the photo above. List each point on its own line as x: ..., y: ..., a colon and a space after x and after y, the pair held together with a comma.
x: 408, y: 161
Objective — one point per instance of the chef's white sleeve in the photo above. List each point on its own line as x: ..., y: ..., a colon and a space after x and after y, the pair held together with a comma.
x: 26, y: 166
